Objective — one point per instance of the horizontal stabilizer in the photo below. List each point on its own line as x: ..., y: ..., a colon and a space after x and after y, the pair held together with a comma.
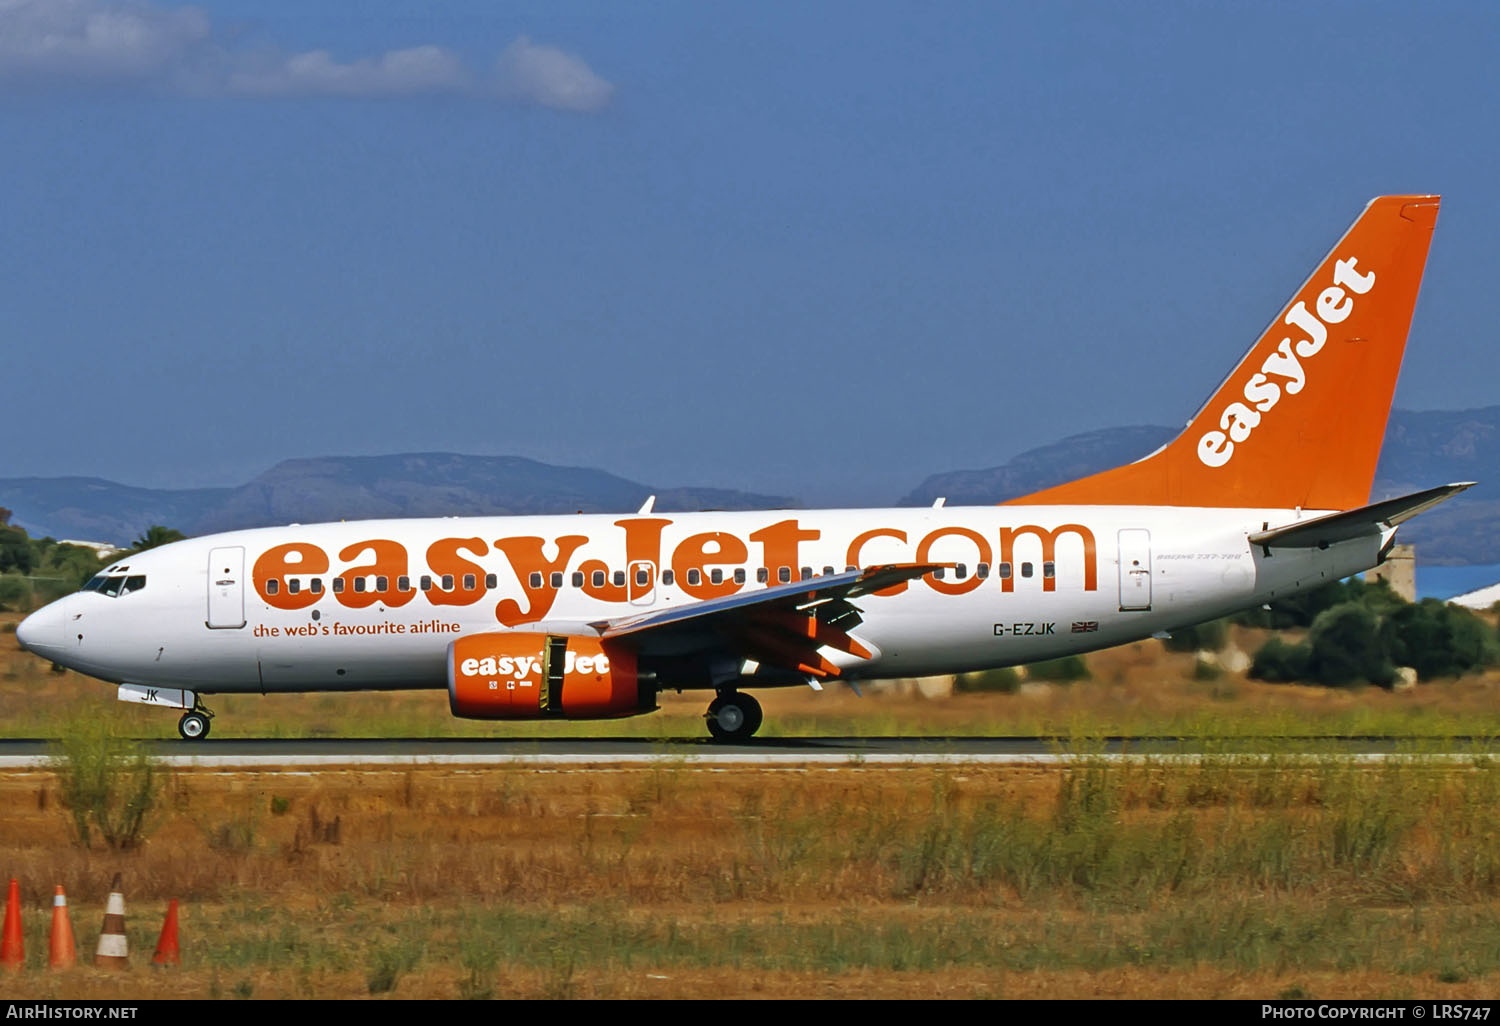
x: 1354, y: 523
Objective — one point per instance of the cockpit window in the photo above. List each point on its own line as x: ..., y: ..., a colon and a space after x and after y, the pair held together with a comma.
x: 115, y: 585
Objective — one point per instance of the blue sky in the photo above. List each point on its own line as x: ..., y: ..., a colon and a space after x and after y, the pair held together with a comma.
x: 812, y: 249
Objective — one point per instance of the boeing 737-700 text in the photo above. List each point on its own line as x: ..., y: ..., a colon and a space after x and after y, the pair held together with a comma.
x: 1266, y: 492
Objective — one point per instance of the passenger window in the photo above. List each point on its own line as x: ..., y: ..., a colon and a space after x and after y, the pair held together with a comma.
x: 382, y: 584
x: 426, y: 583
x: 598, y: 578
x: 403, y: 584
x: 940, y: 573
x: 694, y: 577
x: 470, y: 582
x: 338, y: 585
x: 133, y: 584
x: 642, y: 577
x: 850, y: 569
x: 1049, y: 569
x: 716, y: 576
x: 315, y: 586
x: 112, y: 588
x: 491, y: 582
x: 359, y: 584
x: 1025, y: 569
x: 807, y: 573
x: 293, y: 585
x: 784, y: 574
x: 577, y: 579
x: 1005, y: 571
x: 447, y: 582
x: 762, y: 575
x: 739, y: 576
x: 667, y: 577
x: 556, y: 579
x: 960, y: 571
x: 982, y: 571
x: 535, y: 579
x: 828, y: 571
x: 619, y: 578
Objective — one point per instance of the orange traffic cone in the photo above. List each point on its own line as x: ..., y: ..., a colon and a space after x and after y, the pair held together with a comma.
x: 113, y: 949
x: 13, y: 943
x: 166, y: 948
x: 64, y: 951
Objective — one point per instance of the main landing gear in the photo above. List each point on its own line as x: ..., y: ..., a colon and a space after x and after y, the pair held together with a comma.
x: 194, y: 724
x: 733, y: 717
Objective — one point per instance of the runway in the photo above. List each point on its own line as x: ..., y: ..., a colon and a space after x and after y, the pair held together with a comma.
x: 276, y: 753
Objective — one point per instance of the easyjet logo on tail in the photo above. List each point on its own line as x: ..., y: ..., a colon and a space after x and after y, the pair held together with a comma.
x: 1283, y: 371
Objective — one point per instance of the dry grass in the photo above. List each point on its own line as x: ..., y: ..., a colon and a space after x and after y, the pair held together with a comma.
x: 1228, y: 878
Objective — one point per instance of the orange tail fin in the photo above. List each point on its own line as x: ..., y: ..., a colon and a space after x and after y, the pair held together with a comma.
x: 1299, y: 422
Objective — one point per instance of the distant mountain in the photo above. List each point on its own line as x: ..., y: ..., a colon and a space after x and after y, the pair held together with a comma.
x: 347, y: 488
x: 1420, y: 449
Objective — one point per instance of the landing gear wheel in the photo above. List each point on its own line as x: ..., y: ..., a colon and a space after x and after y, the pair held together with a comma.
x: 733, y: 717
x: 193, y: 726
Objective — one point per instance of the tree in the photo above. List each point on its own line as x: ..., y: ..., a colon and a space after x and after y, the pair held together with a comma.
x: 156, y: 535
x: 1347, y: 649
x: 1438, y: 640
x: 16, y: 551
x: 4, y: 516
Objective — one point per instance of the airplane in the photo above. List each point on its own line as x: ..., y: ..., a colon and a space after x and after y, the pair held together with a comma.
x: 1264, y: 493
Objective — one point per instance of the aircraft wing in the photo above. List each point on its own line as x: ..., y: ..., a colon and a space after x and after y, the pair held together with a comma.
x: 1372, y: 519
x: 784, y: 625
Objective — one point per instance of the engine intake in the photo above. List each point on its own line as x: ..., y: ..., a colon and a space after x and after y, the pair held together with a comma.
x: 519, y: 676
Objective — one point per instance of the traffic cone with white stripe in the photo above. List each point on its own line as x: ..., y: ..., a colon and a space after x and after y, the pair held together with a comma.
x: 113, y: 949
x: 12, y: 942
x: 64, y: 953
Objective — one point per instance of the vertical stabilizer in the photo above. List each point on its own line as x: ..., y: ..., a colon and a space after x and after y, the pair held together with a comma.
x: 1300, y: 421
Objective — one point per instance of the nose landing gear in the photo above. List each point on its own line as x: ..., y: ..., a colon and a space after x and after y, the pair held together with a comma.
x: 733, y: 717
x: 194, y: 725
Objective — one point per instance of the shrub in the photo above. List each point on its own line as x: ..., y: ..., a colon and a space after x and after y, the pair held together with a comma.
x: 1002, y: 681
x: 15, y: 592
x: 107, y: 784
x: 1346, y: 647
x: 1065, y: 669
x: 1438, y: 639
x: 1281, y: 663
x: 1211, y: 635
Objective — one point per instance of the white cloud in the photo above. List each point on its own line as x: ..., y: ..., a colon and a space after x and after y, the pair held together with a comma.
x: 550, y: 77
x: 88, y: 40
x: 92, y: 42
x: 421, y: 69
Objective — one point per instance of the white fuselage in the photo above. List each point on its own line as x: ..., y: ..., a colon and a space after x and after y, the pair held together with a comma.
x: 1024, y: 583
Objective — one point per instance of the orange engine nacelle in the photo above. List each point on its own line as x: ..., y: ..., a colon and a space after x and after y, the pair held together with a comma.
x: 527, y: 676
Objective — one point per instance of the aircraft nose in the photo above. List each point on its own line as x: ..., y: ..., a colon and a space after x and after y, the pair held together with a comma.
x: 42, y: 631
